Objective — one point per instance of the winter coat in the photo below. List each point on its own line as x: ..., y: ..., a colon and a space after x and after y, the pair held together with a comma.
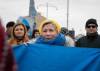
x: 7, y: 62
x: 90, y: 42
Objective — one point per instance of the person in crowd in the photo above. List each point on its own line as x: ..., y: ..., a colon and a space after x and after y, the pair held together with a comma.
x: 9, y: 27
x: 50, y: 34
x: 28, y: 27
x: 7, y: 61
x: 77, y: 37
x: 92, y: 38
x: 72, y: 33
x: 35, y: 33
x: 70, y: 41
x: 19, y: 35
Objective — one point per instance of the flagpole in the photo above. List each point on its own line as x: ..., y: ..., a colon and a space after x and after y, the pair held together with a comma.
x: 47, y: 8
x: 67, y: 14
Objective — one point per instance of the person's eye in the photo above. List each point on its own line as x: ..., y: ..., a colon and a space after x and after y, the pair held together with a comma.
x: 44, y: 30
x: 21, y: 29
x: 16, y: 29
x: 51, y: 30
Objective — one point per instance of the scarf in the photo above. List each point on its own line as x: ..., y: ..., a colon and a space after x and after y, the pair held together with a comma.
x: 58, y: 40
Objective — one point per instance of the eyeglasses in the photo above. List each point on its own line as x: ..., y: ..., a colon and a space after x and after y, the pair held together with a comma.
x: 91, y: 26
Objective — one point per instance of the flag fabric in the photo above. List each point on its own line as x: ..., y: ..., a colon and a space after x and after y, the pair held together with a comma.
x: 39, y: 57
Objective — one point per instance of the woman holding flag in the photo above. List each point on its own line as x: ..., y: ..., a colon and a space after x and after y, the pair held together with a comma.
x: 50, y: 34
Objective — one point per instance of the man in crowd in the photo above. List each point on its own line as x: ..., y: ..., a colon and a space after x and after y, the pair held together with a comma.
x: 92, y: 39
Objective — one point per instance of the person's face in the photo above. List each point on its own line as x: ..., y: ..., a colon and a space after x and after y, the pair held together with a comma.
x: 19, y: 30
x: 37, y: 34
x: 49, y: 31
x: 91, y: 28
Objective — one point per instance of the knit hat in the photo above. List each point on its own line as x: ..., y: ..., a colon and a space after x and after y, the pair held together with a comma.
x: 58, y: 26
x: 91, y: 21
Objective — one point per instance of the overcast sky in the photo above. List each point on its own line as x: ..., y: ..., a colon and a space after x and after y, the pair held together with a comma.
x: 79, y: 11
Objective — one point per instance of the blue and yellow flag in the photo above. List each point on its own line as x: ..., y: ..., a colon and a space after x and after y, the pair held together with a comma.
x: 36, y: 57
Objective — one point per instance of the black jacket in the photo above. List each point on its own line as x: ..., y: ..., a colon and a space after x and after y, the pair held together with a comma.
x: 91, y: 42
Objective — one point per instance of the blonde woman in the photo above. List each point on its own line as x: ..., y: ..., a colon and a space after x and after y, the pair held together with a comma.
x: 50, y: 34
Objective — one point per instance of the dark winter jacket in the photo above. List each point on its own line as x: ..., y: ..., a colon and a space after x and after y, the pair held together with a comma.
x: 89, y: 41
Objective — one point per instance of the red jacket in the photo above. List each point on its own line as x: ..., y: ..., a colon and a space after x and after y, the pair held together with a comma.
x: 7, y: 62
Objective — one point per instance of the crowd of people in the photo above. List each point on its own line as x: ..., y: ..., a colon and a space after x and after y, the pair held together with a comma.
x: 49, y: 32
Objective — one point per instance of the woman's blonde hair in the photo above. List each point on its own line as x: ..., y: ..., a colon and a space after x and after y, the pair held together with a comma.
x: 55, y: 23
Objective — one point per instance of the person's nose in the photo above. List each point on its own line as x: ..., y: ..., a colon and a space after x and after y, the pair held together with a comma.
x: 48, y: 33
x: 91, y: 28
